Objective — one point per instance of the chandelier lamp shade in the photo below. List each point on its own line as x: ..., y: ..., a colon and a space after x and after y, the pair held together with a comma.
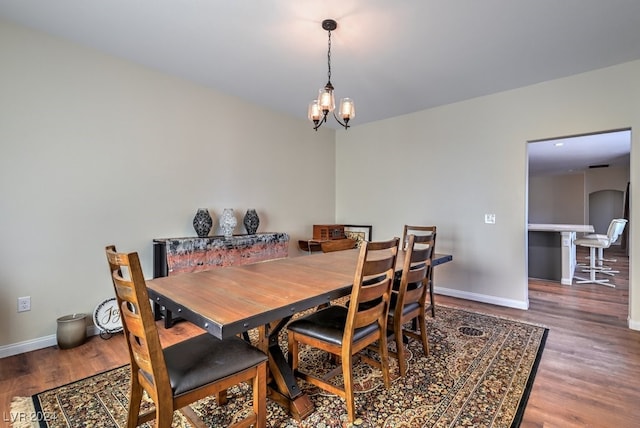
x: 326, y: 103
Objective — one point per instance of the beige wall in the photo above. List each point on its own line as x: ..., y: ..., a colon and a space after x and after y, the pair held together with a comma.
x: 557, y: 199
x: 613, y: 178
x: 97, y: 151
x: 450, y: 165
x: 81, y: 132
x: 564, y: 198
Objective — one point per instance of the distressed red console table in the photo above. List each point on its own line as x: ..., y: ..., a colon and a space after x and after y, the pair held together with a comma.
x: 177, y: 255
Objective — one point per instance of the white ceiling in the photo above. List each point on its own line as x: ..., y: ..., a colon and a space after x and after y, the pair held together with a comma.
x: 573, y: 154
x: 391, y: 56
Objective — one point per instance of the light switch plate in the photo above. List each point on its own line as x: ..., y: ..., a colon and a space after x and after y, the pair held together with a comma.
x: 490, y: 218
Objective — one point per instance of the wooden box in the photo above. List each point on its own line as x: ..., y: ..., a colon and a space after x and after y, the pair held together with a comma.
x: 326, y: 232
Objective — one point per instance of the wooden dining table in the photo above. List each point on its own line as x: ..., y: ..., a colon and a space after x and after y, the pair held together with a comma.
x: 228, y: 301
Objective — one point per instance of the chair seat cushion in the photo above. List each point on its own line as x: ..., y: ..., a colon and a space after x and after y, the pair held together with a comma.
x: 394, y: 297
x: 328, y: 325
x: 596, y: 236
x: 410, y: 286
x: 405, y: 310
x: 593, y: 242
x: 203, y: 359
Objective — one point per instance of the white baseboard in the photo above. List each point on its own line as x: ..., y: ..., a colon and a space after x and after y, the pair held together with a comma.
x: 483, y: 298
x: 633, y: 324
x: 35, y: 344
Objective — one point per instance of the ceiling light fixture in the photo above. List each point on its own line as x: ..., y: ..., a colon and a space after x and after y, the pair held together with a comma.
x: 320, y: 108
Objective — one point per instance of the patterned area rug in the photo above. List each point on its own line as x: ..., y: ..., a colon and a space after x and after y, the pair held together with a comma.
x: 478, y: 374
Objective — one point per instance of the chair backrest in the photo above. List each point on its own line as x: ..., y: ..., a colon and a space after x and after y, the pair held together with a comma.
x: 616, y: 227
x: 415, y: 230
x: 371, y: 289
x: 416, y: 272
x: 338, y: 245
x: 143, y: 341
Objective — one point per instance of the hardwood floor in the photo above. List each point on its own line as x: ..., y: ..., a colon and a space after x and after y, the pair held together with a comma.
x: 589, y: 375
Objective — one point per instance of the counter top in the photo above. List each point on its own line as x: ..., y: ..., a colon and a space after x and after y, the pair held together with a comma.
x: 542, y: 227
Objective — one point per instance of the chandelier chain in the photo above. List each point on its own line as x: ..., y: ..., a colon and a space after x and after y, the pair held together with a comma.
x: 329, y: 57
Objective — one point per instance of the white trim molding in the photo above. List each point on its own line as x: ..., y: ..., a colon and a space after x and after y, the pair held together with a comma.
x: 483, y: 298
x: 35, y: 344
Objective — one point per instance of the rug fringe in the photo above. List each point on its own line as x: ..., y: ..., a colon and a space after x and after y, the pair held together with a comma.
x: 22, y: 413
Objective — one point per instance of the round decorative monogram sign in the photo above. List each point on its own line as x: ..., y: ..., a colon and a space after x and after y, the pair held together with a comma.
x: 107, y: 316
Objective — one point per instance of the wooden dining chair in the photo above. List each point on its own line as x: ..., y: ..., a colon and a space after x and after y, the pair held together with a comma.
x: 338, y: 245
x: 344, y: 332
x: 415, y: 230
x: 408, y: 303
x: 420, y: 230
x: 186, y: 372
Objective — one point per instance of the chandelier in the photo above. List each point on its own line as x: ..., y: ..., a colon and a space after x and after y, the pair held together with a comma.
x: 320, y: 108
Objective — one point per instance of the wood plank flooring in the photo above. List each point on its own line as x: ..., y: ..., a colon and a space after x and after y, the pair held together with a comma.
x: 589, y: 375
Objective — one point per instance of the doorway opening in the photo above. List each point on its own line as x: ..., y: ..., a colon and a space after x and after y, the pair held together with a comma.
x: 580, y: 180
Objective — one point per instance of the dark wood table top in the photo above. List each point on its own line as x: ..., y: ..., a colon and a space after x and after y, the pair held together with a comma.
x: 229, y: 300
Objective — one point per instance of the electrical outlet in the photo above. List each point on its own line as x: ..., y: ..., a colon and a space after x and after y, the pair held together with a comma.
x: 24, y: 304
x: 490, y: 218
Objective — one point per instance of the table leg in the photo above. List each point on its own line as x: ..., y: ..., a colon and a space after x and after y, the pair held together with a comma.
x: 159, y: 313
x: 284, y: 388
x: 433, y: 303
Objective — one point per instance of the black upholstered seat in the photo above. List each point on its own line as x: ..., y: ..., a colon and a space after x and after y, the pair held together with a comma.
x: 205, y: 359
x: 328, y: 325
